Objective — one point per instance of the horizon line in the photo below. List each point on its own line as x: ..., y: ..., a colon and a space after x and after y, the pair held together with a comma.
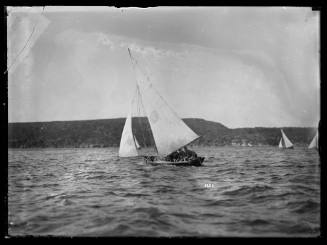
x: 98, y: 119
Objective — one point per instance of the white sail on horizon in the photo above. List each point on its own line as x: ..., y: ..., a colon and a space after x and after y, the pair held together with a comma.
x: 285, y: 142
x: 314, y: 142
x: 128, y: 147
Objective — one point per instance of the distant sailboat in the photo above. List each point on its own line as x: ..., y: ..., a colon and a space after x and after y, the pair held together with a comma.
x: 128, y: 147
x: 137, y: 143
x: 170, y: 133
x: 284, y: 142
x: 314, y: 143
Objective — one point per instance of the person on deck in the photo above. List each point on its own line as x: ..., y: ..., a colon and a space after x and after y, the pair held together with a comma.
x: 189, y: 154
x: 173, y: 157
x: 183, y: 154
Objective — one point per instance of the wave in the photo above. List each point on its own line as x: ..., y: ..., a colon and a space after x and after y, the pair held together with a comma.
x: 256, y: 222
x: 66, y: 202
x: 135, y: 195
x: 248, y: 190
x: 223, y: 203
x: 151, y: 211
x: 97, y: 177
x: 301, y: 207
x: 254, y: 194
x: 121, y: 230
x: 303, y: 228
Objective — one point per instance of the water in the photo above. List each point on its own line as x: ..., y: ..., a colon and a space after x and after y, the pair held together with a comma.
x: 257, y: 191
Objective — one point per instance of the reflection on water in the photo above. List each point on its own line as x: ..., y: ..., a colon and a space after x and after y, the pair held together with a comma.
x: 257, y: 191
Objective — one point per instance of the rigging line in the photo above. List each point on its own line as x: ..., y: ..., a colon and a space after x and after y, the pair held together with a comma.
x: 138, y: 114
x: 147, y: 77
x: 133, y: 65
x: 136, y: 92
x: 133, y: 61
x: 21, y: 49
x: 148, y: 130
x: 191, y: 141
x: 161, y: 96
x: 140, y: 106
x: 132, y: 102
x: 134, y: 138
x: 132, y: 58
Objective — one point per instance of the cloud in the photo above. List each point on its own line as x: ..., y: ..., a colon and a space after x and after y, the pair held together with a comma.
x: 71, y: 37
x: 242, y: 67
x: 89, y: 43
x: 147, y: 51
x: 231, y: 68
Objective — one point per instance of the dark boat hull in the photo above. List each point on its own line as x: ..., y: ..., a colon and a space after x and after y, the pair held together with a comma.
x: 194, y: 162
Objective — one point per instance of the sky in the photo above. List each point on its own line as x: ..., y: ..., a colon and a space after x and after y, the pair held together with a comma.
x: 240, y: 66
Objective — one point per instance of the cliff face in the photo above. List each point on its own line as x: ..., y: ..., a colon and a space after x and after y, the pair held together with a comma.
x: 107, y: 132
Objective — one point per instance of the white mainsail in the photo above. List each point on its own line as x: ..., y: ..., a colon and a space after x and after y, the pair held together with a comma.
x: 169, y: 131
x: 286, y: 142
x: 314, y: 142
x: 281, y: 143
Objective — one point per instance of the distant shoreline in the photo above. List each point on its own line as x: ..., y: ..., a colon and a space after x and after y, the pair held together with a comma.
x: 117, y: 147
x: 124, y: 118
x: 104, y: 133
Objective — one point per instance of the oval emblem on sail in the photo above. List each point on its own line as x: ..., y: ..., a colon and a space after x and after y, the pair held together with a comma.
x: 154, y: 116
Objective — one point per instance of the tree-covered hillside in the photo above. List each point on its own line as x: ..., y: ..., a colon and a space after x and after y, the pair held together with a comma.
x: 107, y: 132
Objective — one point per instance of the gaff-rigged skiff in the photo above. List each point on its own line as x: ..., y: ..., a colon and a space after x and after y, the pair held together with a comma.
x: 169, y: 132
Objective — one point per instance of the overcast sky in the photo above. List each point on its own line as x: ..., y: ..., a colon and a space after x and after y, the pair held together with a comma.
x: 240, y: 66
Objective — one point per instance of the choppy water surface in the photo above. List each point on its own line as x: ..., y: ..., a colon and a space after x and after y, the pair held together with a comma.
x: 257, y: 191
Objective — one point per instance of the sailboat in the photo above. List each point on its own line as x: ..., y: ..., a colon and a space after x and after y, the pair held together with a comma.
x: 284, y: 142
x: 314, y: 142
x: 169, y: 132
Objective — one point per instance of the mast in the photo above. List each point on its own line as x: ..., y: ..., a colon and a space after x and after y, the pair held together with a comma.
x: 139, y: 96
x: 169, y: 131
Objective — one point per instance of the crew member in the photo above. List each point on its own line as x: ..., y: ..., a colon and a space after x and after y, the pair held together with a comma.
x: 190, y: 154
